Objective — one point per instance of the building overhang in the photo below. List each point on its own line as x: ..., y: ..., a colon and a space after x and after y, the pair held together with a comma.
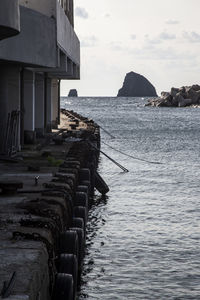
x: 9, y: 18
x: 67, y: 39
x: 36, y: 43
x: 47, y: 44
x: 67, y: 68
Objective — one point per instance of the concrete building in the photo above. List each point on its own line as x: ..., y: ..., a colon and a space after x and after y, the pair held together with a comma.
x: 38, y: 48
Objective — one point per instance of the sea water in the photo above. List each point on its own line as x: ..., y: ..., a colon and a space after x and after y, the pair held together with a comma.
x: 143, y: 239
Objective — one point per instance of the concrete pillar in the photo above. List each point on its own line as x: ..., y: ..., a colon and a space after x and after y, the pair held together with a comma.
x: 70, y: 68
x: 9, y: 101
x: 55, y: 112
x: 48, y: 104
x: 4, y: 108
x: 29, y: 106
x: 39, y: 104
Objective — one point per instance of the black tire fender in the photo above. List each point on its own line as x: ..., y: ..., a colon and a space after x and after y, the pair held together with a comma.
x: 81, y: 240
x: 81, y: 199
x: 63, y: 287
x: 78, y: 222
x: 68, y: 243
x: 84, y: 174
x: 68, y: 264
x: 80, y: 212
x: 82, y: 188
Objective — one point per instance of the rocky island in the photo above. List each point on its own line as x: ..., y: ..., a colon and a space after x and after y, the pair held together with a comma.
x: 136, y: 85
x: 73, y: 93
x: 178, y: 97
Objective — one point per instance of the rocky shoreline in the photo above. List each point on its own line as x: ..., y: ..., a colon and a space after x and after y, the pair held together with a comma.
x: 178, y: 97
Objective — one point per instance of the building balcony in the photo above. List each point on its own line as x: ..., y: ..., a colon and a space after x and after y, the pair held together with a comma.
x: 45, y: 32
x: 9, y: 18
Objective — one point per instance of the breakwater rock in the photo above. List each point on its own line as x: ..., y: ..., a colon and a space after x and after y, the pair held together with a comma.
x: 73, y: 93
x: 178, y: 97
x: 136, y: 85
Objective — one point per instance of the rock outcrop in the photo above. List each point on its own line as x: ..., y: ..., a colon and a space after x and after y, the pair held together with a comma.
x: 178, y: 97
x: 73, y: 93
x: 136, y: 85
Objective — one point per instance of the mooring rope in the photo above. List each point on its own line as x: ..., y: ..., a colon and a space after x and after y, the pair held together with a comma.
x: 131, y: 156
x: 114, y: 161
x: 112, y: 136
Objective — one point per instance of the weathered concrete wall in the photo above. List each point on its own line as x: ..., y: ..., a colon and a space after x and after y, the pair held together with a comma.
x: 35, y: 45
x: 72, y: 71
x: 66, y: 37
x: 29, y: 100
x: 61, y: 69
x: 9, y: 18
x: 39, y: 103
x: 54, y: 95
x: 48, y: 105
x: 46, y: 7
x: 68, y: 7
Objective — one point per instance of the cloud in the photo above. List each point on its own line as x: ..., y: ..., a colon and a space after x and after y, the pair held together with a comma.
x: 151, y: 50
x: 172, y: 22
x: 152, y: 41
x: 163, y: 36
x: 166, y: 36
x: 164, y: 46
x: 89, y: 41
x: 133, y: 36
x: 159, y: 53
x: 192, y: 37
x: 106, y: 15
x: 81, y: 12
x: 116, y: 46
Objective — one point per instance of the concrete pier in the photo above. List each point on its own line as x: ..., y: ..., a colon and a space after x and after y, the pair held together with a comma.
x: 45, y: 194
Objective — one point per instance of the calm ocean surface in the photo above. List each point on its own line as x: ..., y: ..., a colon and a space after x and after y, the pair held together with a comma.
x: 144, y: 238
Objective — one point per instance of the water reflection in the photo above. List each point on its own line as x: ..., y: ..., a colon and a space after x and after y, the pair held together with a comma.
x: 96, y: 220
x: 144, y: 242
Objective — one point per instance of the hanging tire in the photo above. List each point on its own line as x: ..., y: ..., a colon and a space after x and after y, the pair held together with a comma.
x: 63, y: 288
x: 68, y: 264
x: 92, y: 177
x: 100, y: 184
x: 68, y: 243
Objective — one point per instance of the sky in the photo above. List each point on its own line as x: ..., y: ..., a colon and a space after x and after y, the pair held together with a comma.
x: 155, y: 38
